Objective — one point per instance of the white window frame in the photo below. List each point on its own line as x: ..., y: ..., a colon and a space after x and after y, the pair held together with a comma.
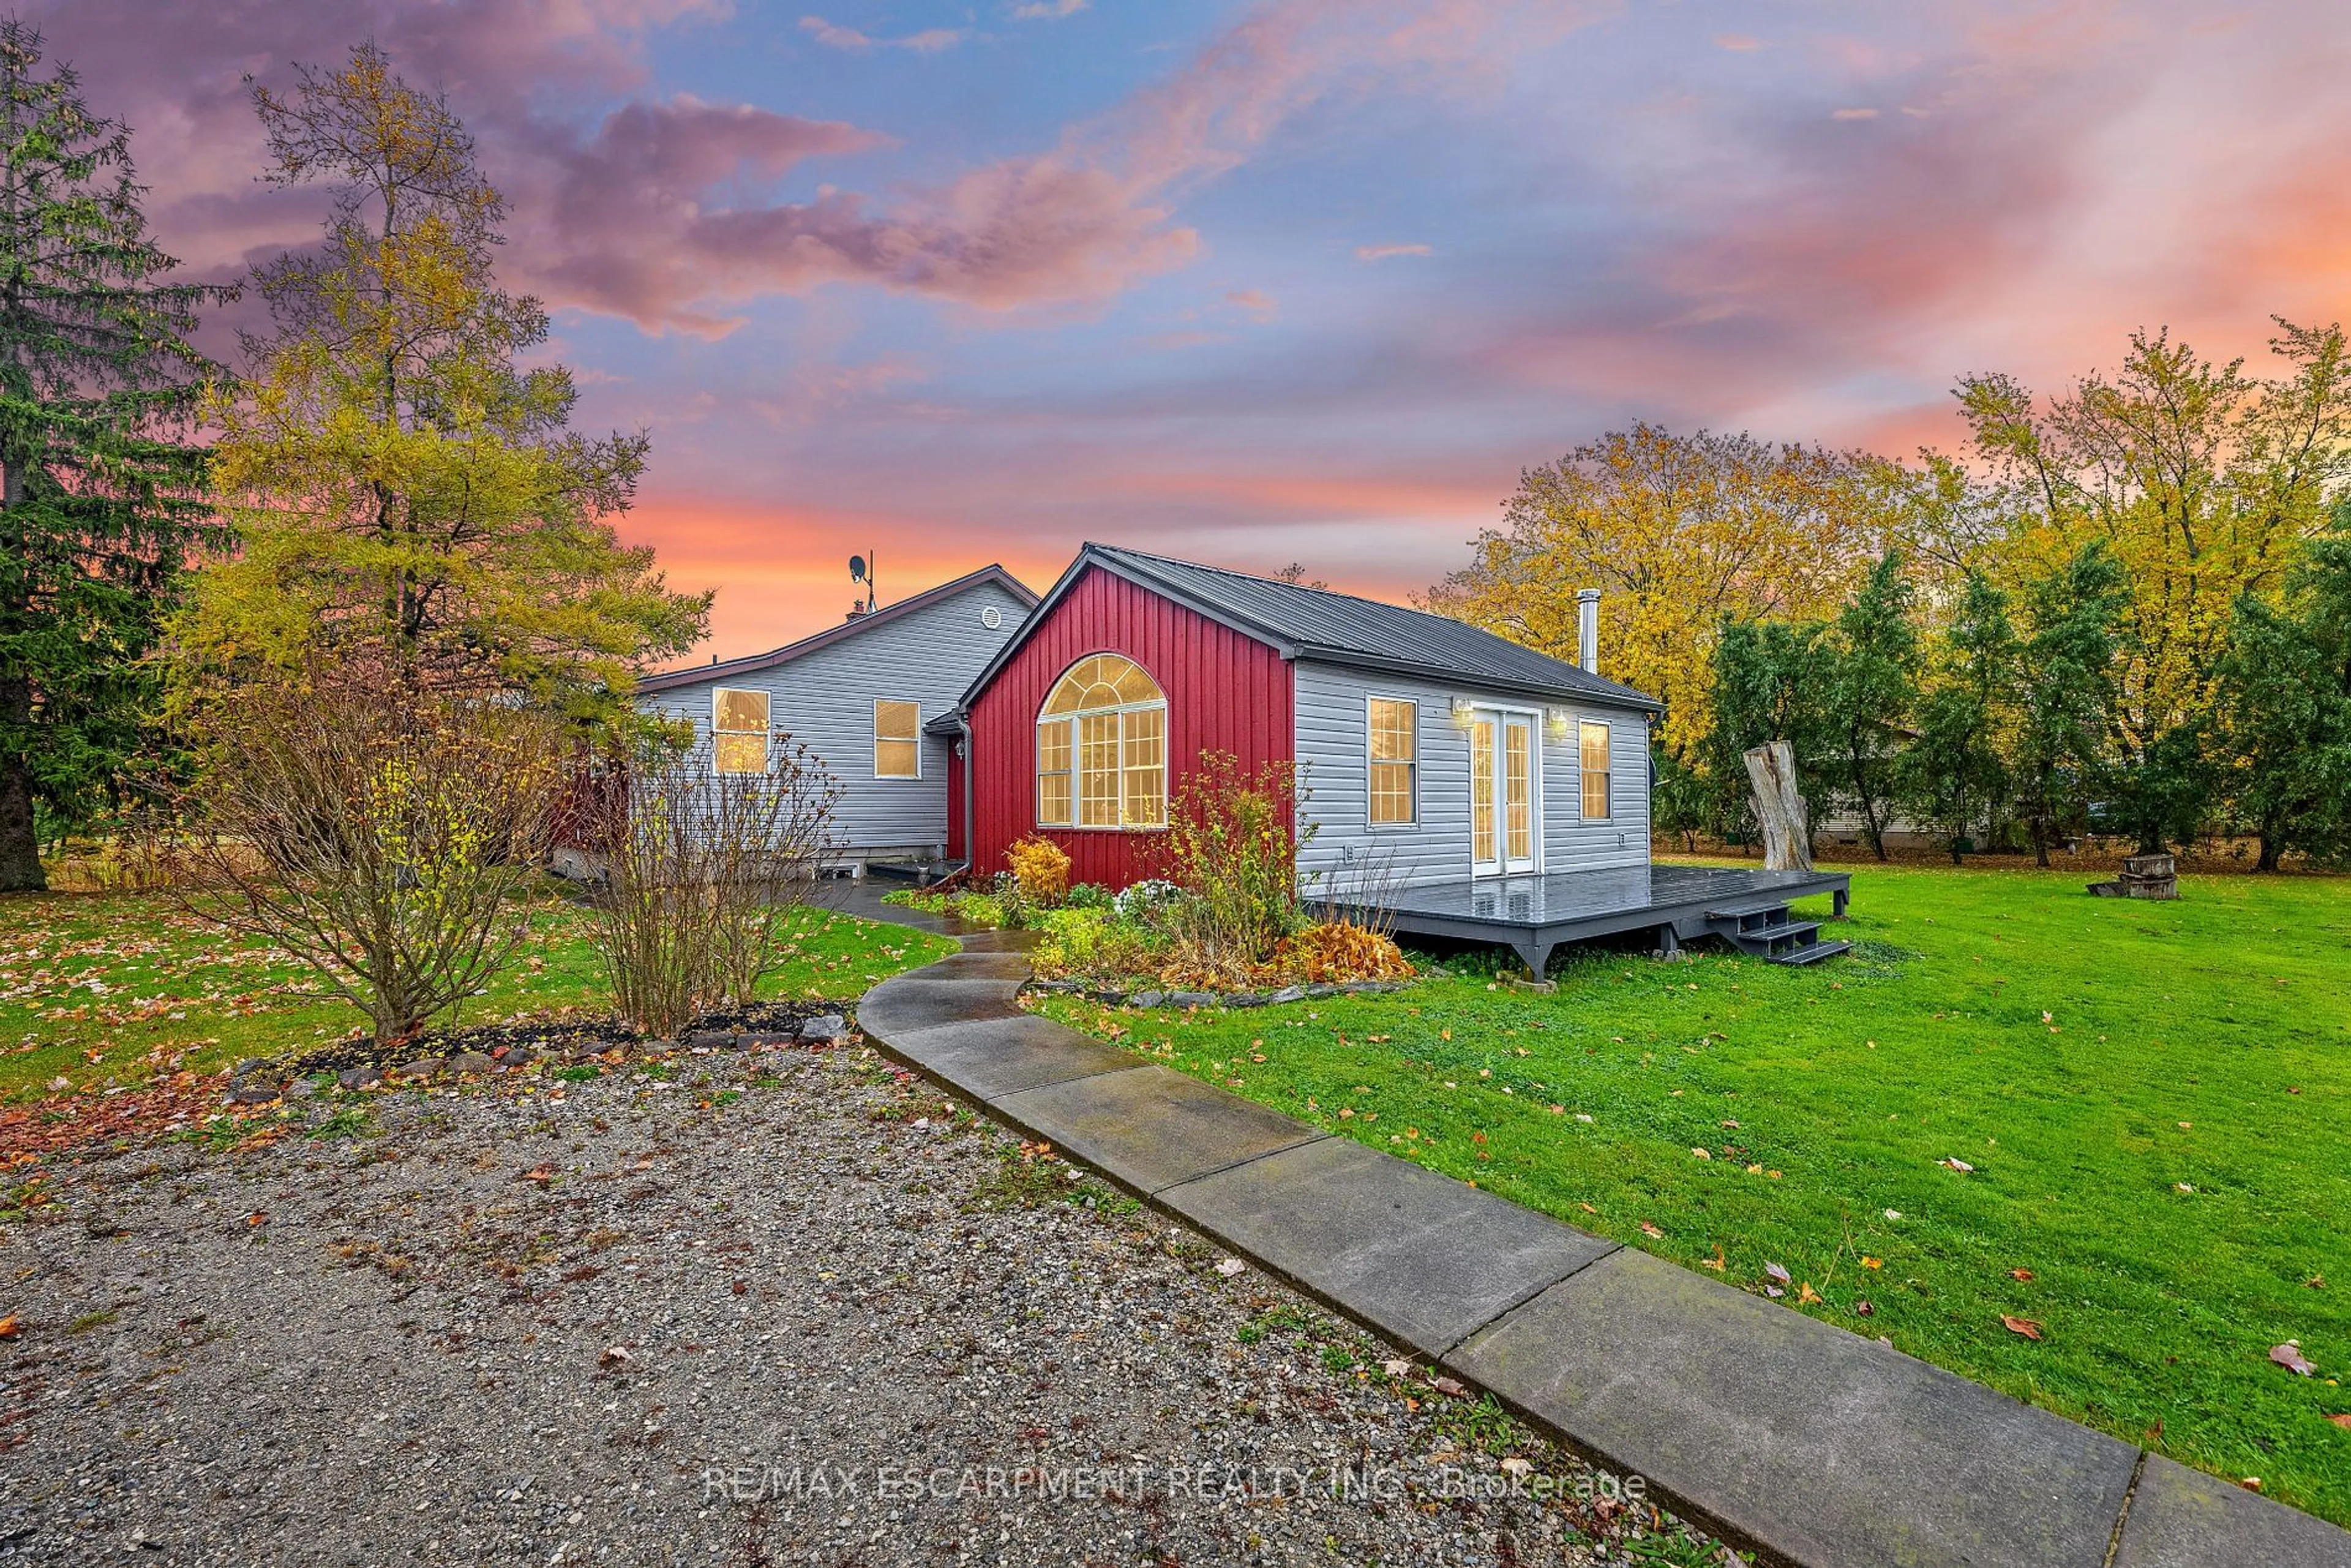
x: 766, y: 732
x: 1411, y: 824
x: 1609, y: 773
x: 916, y: 775
x: 1075, y: 771
x: 1538, y: 819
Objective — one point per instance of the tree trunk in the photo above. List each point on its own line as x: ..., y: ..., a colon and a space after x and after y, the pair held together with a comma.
x: 1779, y: 807
x: 2272, y: 847
x: 20, y: 852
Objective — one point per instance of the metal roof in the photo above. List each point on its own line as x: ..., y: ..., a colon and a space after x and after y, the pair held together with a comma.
x: 1342, y: 628
x: 668, y: 680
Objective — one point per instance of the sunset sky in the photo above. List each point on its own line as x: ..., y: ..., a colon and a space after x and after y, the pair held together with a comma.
x: 1304, y: 279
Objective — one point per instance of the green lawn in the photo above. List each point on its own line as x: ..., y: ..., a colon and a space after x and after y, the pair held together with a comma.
x: 105, y: 988
x: 2154, y: 1099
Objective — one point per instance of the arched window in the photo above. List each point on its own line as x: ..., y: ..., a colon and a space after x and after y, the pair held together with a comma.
x: 1102, y: 747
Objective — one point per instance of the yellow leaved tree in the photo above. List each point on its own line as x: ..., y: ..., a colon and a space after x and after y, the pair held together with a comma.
x: 2204, y: 483
x: 1681, y: 532
x: 407, y: 495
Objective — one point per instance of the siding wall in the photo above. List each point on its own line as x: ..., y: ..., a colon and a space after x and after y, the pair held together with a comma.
x: 1332, y: 736
x: 825, y: 700
x: 1225, y: 692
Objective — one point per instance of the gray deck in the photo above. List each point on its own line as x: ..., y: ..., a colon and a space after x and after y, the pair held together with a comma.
x: 1534, y: 915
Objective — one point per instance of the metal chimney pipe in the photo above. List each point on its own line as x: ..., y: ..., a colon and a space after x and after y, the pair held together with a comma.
x: 1587, y: 629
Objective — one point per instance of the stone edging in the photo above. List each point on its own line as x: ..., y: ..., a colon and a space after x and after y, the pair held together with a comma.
x: 1811, y: 1445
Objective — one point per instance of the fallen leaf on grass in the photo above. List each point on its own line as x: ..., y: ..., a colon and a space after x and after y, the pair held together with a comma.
x: 2343, y: 1420
x: 1396, y: 1368
x: 1701, y: 1153
x: 1806, y: 1295
x: 1959, y: 1166
x: 2019, y: 1273
x: 2289, y: 1355
x: 1873, y: 1262
x: 1648, y: 1228
x: 1777, y: 1272
x: 1717, y: 1263
x: 1447, y: 1386
x: 2316, y: 1283
x: 1865, y: 1308
x: 2025, y: 1326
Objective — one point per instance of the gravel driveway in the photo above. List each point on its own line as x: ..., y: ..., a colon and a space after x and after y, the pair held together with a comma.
x: 780, y: 1307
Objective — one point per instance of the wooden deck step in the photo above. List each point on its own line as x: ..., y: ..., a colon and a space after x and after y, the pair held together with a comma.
x: 1810, y: 953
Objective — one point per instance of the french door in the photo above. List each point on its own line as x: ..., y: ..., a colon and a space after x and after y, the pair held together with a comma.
x: 1504, y: 825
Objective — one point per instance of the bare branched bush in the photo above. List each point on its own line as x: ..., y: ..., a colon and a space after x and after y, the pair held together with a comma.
x: 381, y: 834
x: 700, y: 870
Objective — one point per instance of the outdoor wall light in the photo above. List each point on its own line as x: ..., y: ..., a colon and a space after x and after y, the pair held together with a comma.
x: 1561, y: 722
x: 1464, y: 710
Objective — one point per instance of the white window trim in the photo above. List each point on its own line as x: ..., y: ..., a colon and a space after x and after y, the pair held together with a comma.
x: 766, y: 733
x: 1414, y: 825
x: 1581, y: 720
x: 916, y: 776
x: 1167, y: 753
x: 1540, y: 819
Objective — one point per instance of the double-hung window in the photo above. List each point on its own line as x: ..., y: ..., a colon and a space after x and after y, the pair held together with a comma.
x: 1102, y: 747
x: 738, y: 730
x: 1591, y: 749
x: 897, y: 739
x: 1395, y: 761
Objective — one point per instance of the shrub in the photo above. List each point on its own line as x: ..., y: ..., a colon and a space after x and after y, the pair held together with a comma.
x: 1142, y: 899
x: 1338, y: 950
x: 1231, y: 846
x: 1042, y: 868
x: 700, y: 869
x: 1089, y: 896
x: 379, y: 833
x: 1091, y: 942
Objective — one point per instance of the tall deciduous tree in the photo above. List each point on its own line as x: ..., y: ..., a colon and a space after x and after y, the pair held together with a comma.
x: 1870, y: 686
x: 2201, y: 482
x: 102, y: 499
x: 1684, y: 533
x: 405, y: 491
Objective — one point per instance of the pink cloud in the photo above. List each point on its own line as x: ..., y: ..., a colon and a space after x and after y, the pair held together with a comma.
x: 1383, y: 252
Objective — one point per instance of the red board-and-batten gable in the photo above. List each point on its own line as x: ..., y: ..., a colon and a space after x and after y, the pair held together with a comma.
x: 1226, y: 691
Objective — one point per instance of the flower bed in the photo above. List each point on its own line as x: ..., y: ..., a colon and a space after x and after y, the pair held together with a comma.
x: 1224, y: 925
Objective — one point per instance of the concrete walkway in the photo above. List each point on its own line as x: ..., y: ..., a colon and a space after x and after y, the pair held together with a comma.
x: 1781, y: 1433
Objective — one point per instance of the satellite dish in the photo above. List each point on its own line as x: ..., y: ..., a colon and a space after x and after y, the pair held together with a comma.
x: 857, y: 569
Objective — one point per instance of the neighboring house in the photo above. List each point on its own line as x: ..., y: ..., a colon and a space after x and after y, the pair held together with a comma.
x: 860, y: 695
x: 1429, y: 751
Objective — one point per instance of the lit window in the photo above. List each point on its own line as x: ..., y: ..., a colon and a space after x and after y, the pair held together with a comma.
x: 1395, y: 761
x: 738, y: 730
x: 897, y: 744
x: 1102, y: 747
x: 1591, y: 736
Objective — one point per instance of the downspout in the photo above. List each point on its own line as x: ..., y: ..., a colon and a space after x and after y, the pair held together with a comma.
x: 970, y: 789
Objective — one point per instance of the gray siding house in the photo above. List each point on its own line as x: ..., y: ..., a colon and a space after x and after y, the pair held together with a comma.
x: 860, y: 695
x: 1467, y: 741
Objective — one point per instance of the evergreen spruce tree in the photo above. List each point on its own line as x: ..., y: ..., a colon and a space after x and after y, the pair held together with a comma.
x: 1957, y: 774
x: 2068, y: 712
x: 102, y: 499
x: 1872, y: 683
x: 2287, y: 695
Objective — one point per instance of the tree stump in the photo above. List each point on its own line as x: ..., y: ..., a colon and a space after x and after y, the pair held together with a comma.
x: 1780, y: 807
